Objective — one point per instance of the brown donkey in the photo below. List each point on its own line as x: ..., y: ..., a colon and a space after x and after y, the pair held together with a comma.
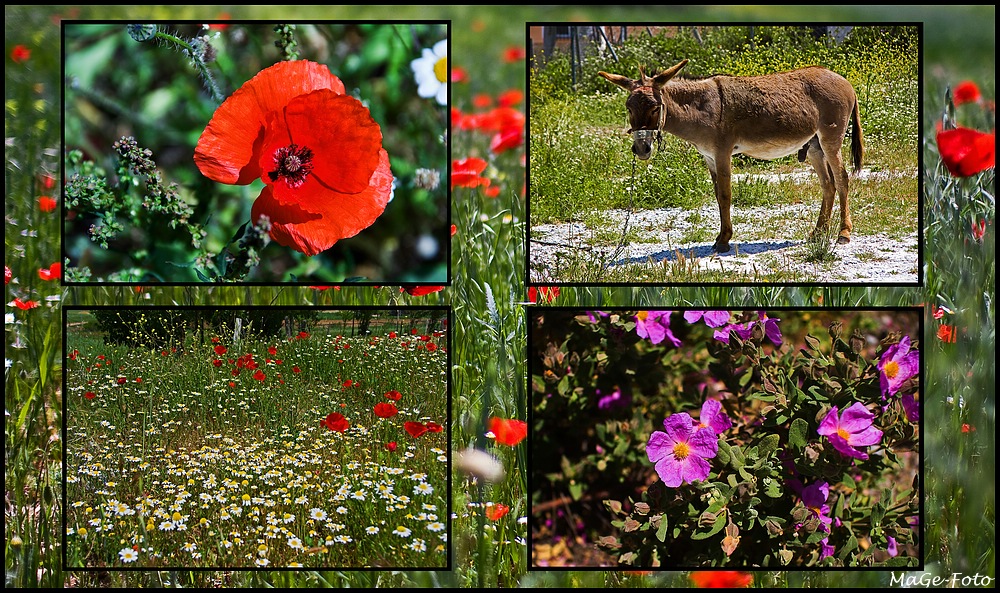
x: 766, y: 117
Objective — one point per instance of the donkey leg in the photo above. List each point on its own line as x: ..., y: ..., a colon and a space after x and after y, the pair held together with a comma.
x: 831, y: 149
x: 721, y: 168
x: 814, y: 152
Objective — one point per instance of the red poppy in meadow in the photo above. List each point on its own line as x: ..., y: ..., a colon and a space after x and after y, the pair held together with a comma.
x: 496, y: 511
x: 514, y: 53
x: 7, y: 275
x: 465, y: 173
x: 220, y: 350
x: 393, y: 395
x: 966, y: 92
x: 454, y: 229
x: 52, y: 272
x: 391, y: 446
x: 549, y: 293
x: 20, y: 54
x: 508, y: 432
x: 217, y: 363
x: 317, y: 150
x: 979, y: 230
x: 421, y: 290
x: 90, y: 395
x: 947, y: 334
x: 296, y: 370
x: 510, y: 97
x: 966, y: 152
x: 721, y: 579
x: 507, y: 139
x: 335, y: 421
x: 122, y: 380
x: 416, y: 429
x: 46, y: 204
x: 259, y: 375
x: 385, y: 410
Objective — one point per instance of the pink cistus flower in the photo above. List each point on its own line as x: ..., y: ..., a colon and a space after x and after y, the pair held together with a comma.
x: 680, y: 454
x: 852, y: 429
x: 711, y: 318
x: 897, y: 364
x: 655, y: 326
x: 814, y: 497
x: 714, y: 417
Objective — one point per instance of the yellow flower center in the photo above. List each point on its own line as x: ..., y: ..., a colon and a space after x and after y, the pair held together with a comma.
x: 441, y: 70
x: 681, y: 451
x: 844, y: 434
x: 891, y: 369
x: 642, y: 315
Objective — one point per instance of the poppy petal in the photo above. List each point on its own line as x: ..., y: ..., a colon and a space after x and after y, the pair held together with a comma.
x: 226, y: 149
x: 329, y: 216
x: 415, y: 428
x: 966, y: 152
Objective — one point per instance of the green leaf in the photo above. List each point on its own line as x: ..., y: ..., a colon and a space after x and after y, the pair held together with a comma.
x: 724, y: 452
x: 768, y: 445
x: 720, y: 522
x: 797, y: 433
x: 661, y: 533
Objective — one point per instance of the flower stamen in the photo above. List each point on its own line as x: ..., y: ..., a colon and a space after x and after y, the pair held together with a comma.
x: 681, y: 451
x: 293, y: 163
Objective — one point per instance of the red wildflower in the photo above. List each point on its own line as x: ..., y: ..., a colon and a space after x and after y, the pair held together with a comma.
x: 947, y: 334
x: 966, y: 152
x: 74, y: 354
x: 335, y: 421
x: 510, y: 97
x: 317, y: 150
x: 217, y: 363
x: 417, y: 429
x: 508, y: 432
x: 122, y: 380
x: 272, y: 350
x: 454, y: 229
x: 259, y: 375
x: 8, y: 275
x: 514, y: 53
x: 721, y: 579
x: 385, y: 410
x: 421, y: 290
x: 979, y: 230
x: 53, y: 272
x: 392, y: 335
x: 46, y: 204
x: 465, y: 173
x: 20, y: 53
x: 90, y: 395
x: 220, y: 350
x: 507, y: 139
x: 393, y: 395
x: 458, y: 74
x: 496, y: 511
x: 24, y: 305
x: 967, y: 92
x: 391, y: 446
x: 296, y: 370
x: 967, y: 428
x: 482, y: 101
x: 548, y: 292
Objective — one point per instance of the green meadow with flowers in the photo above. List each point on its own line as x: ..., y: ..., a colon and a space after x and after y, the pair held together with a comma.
x: 312, y: 450
x: 489, y: 542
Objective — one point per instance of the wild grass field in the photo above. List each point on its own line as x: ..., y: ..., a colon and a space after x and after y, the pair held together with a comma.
x: 490, y: 542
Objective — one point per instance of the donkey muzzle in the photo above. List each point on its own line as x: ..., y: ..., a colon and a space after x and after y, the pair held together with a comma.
x: 642, y: 143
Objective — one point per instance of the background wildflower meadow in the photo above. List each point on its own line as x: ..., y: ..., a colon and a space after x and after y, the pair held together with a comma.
x: 489, y: 504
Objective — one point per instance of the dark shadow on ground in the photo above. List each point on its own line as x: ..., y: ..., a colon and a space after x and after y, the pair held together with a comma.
x: 699, y: 251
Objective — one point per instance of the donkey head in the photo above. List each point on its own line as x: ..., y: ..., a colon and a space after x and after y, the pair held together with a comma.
x: 646, y: 112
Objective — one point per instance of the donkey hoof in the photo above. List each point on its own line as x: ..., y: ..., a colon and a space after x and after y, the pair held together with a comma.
x: 720, y: 248
x: 843, y: 240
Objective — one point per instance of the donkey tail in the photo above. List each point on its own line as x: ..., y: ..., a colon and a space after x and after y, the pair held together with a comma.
x: 857, y: 142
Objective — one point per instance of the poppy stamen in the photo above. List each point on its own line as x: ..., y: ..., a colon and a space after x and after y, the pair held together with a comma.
x: 293, y: 164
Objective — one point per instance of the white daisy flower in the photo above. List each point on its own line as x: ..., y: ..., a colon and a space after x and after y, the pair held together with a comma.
x: 431, y: 73
x: 401, y: 531
x: 128, y: 555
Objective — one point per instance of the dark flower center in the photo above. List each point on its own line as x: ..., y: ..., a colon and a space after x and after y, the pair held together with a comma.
x: 293, y: 163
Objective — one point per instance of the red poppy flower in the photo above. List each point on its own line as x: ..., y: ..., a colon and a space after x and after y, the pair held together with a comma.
x: 335, y: 421
x: 417, y: 429
x: 25, y: 305
x: 966, y: 152
x: 259, y: 375
x: 53, y: 272
x: 507, y: 139
x: 514, y: 53
x: 272, y: 350
x: 220, y: 350
x: 979, y: 230
x: 721, y: 579
x: 74, y: 354
x: 458, y: 74
x: 465, y: 173
x: 549, y: 292
x: 393, y: 395
x: 508, y: 432
x: 90, y: 395
x: 421, y: 290
x: 454, y: 229
x: 7, y: 275
x: 967, y: 428
x: 296, y: 370
x: 46, y: 204
x: 391, y: 446
x: 217, y: 363
x: 947, y: 334
x: 496, y: 511
x: 122, y: 380
x: 966, y: 92
x: 20, y: 54
x: 385, y: 410
x: 317, y: 150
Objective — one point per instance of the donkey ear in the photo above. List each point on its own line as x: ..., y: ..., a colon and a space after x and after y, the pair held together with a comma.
x: 617, y: 79
x: 661, y: 79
